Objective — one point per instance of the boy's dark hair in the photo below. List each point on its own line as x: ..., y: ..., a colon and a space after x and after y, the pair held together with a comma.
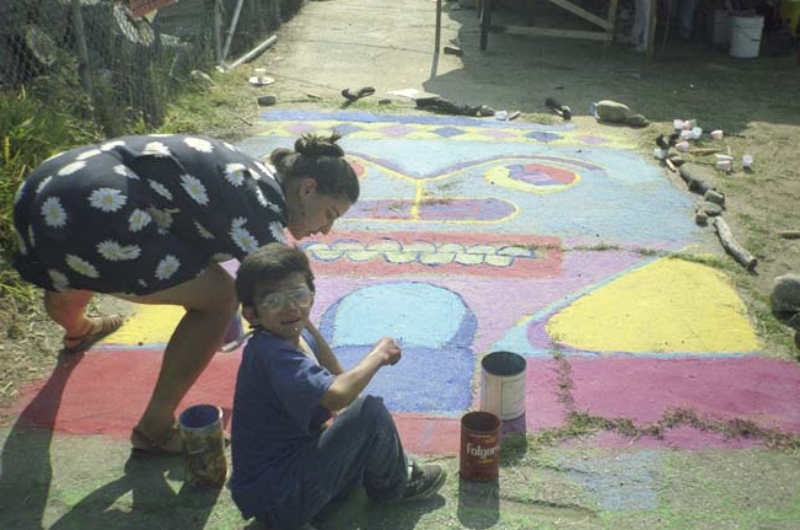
x: 271, y: 263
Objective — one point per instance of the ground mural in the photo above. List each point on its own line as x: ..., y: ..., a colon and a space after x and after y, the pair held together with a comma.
x: 473, y: 236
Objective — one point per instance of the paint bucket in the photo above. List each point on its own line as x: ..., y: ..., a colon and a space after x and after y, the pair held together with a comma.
x: 746, y: 36
x: 203, y: 445
x: 721, y: 32
x: 503, y: 384
x: 480, y: 446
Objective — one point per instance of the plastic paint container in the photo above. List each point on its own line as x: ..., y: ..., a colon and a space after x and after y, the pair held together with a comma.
x: 203, y: 445
x: 503, y: 384
x: 480, y: 446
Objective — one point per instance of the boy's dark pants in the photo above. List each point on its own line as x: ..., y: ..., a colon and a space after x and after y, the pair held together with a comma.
x: 361, y: 446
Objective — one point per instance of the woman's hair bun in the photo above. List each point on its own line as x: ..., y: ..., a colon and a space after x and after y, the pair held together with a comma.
x: 313, y: 145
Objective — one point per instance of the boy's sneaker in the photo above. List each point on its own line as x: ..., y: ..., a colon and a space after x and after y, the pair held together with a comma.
x: 425, y: 480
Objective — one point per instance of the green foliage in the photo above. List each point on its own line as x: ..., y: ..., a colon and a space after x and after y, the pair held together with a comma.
x: 30, y: 132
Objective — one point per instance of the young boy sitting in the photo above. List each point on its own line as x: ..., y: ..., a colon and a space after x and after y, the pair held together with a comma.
x: 287, y: 465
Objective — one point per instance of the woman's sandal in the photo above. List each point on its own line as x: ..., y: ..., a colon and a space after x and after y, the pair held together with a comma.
x: 106, y: 326
x: 145, y: 446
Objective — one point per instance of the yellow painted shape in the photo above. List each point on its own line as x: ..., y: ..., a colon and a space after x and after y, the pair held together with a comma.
x: 149, y: 324
x: 665, y: 307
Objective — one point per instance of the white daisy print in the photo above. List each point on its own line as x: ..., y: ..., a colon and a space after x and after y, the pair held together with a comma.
x: 160, y: 135
x: 156, y: 149
x: 167, y: 267
x: 59, y: 279
x: 53, y: 212
x: 274, y: 207
x: 238, y: 222
x: 260, y: 196
x: 268, y: 171
x: 123, y: 170
x: 108, y: 146
x: 88, y: 154
x: 243, y: 239
x: 277, y: 231
x: 69, y: 169
x: 162, y: 218
x: 234, y: 173
x: 81, y: 266
x: 43, y: 183
x: 222, y: 257
x: 230, y: 146
x: 204, y: 233
x: 107, y: 199
x: 138, y: 220
x: 195, y: 189
x: 113, y: 251
x: 198, y: 144
x: 160, y: 189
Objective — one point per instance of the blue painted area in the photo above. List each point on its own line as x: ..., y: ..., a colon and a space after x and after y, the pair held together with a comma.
x: 415, y: 314
x: 620, y: 198
x: 624, y: 481
x: 367, y: 117
x: 435, y: 328
x: 429, y: 380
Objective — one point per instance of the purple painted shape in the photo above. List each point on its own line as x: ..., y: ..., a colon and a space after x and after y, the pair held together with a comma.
x: 543, y: 410
x: 591, y: 139
x: 300, y: 128
x: 758, y: 389
x: 499, y: 134
x: 397, y: 130
x: 462, y: 209
x: 448, y: 132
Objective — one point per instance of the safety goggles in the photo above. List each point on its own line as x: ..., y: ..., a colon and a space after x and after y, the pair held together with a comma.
x: 302, y: 297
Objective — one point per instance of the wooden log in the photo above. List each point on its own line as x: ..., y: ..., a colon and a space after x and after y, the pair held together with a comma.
x: 695, y: 184
x: 732, y: 246
x: 789, y: 234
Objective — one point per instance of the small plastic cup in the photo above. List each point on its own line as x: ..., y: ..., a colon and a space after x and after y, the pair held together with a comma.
x: 677, y: 124
x: 686, y: 134
x: 683, y: 146
x: 716, y: 134
x: 747, y: 161
x: 724, y: 165
x: 697, y: 132
x: 659, y: 153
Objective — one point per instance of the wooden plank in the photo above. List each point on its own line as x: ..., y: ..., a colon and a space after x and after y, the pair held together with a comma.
x: 554, y: 32
x: 585, y: 15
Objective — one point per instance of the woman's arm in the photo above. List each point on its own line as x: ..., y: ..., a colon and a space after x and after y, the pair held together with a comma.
x: 348, y: 385
x: 324, y: 354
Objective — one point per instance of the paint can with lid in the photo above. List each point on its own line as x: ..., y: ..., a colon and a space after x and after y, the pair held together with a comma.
x: 503, y: 384
x: 480, y: 446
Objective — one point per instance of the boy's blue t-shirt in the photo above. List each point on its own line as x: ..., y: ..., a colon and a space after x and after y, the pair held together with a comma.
x: 276, y: 412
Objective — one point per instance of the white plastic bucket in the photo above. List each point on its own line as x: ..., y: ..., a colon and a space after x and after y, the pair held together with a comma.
x: 721, y: 31
x: 503, y: 384
x: 746, y: 36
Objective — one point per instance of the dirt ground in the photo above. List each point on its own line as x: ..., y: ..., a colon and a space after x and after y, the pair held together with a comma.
x: 330, y: 46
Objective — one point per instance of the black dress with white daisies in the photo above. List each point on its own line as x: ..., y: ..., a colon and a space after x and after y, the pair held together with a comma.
x: 140, y: 214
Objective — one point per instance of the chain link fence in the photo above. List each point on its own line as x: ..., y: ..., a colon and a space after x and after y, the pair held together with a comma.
x: 120, y: 61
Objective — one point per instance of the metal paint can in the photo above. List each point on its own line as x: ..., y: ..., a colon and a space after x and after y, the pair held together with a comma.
x: 203, y: 445
x: 503, y: 384
x: 480, y: 446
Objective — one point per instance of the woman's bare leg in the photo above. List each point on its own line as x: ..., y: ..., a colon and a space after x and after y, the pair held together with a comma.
x: 210, y: 302
x: 68, y: 310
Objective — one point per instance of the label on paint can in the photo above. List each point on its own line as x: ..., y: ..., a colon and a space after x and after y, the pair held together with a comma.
x: 480, y: 446
x: 503, y: 385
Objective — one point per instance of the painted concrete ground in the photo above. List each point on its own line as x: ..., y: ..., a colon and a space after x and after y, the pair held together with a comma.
x: 473, y: 236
